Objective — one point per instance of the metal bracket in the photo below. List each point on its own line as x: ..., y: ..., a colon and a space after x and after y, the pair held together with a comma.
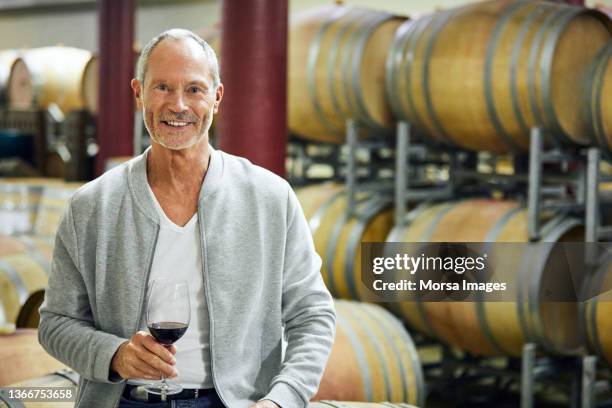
x: 351, y: 171
x: 528, y: 375
x: 535, y: 184
x: 589, y: 371
x: 401, y: 171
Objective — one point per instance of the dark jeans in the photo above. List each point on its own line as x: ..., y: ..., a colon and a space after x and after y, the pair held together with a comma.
x: 208, y: 401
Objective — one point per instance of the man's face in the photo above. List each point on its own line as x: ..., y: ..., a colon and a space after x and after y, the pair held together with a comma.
x: 177, y: 99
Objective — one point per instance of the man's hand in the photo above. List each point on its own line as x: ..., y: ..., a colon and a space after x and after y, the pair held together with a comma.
x: 143, y: 357
x: 265, y: 404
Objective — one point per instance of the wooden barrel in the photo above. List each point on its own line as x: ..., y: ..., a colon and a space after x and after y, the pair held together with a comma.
x: 496, y: 327
x: 20, y: 276
x: 373, y: 358
x: 596, y: 312
x: 24, y: 358
x: 18, y: 207
x: 7, y: 59
x: 480, y: 76
x: 25, y: 244
x: 347, y: 404
x: 63, y: 378
x: 89, y: 93
x: 338, y: 235
x: 598, y: 102
x: 337, y: 71
x: 52, y: 207
x: 51, y: 75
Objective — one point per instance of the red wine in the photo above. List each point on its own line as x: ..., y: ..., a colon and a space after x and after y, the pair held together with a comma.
x: 167, y: 332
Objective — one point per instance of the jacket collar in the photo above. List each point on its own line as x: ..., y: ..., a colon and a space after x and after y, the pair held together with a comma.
x: 137, y: 181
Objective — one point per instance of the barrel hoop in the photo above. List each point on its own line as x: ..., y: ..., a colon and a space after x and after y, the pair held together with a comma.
x: 491, y: 237
x: 524, y: 277
x: 397, y: 232
x: 427, y: 238
x: 403, y: 371
x: 343, y: 54
x: 10, y: 403
x: 393, y: 65
x: 354, y: 240
x: 597, y: 118
x: 331, y: 248
x: 514, y: 62
x: 534, y: 301
x: 361, y: 360
x: 534, y: 66
x: 315, y: 221
x: 70, y: 375
x: 331, y: 251
x: 3, y: 318
x: 546, y: 63
x: 437, y: 28
x: 488, y: 77
x: 415, y: 361
x: 378, y: 341
x: 419, y: 28
x: 350, y: 57
x: 22, y: 291
x: 365, y: 35
x: 313, y: 57
x: 434, y: 224
x: 594, y: 329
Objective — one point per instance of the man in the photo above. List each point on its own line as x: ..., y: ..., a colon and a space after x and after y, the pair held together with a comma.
x: 184, y: 208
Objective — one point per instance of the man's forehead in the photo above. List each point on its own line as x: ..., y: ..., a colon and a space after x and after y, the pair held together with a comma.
x: 176, y: 57
x: 186, y: 48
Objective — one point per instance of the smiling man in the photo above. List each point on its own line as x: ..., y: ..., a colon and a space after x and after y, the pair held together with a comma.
x: 183, y: 210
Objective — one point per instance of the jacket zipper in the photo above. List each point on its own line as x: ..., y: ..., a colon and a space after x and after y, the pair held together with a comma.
x: 143, y: 295
x: 206, y: 278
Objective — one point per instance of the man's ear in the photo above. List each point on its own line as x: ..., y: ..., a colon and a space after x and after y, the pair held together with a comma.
x: 137, y: 89
x: 218, y: 97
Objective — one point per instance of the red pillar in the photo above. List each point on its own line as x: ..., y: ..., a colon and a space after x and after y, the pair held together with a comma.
x: 115, y: 123
x: 253, y: 113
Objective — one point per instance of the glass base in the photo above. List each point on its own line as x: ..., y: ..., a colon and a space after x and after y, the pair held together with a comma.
x: 161, y: 388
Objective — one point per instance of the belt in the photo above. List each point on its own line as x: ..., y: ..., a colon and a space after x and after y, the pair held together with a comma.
x: 133, y: 393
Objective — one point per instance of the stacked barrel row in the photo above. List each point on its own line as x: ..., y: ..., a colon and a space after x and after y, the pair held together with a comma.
x: 30, y: 212
x: 37, y: 78
x: 478, y: 77
x: 483, y: 327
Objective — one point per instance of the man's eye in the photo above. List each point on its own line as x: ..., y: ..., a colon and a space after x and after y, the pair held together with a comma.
x: 162, y: 87
x: 194, y: 89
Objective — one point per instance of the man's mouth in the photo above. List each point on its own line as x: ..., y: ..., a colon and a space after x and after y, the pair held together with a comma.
x: 176, y: 123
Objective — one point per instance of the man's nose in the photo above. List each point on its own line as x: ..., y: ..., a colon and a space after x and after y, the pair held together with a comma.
x: 177, y: 104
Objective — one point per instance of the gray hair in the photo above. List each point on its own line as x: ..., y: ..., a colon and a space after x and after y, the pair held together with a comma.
x: 177, y: 34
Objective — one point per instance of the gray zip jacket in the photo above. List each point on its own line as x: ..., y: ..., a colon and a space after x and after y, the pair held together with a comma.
x: 260, y: 271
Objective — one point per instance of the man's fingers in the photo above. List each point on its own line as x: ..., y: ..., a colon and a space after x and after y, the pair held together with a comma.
x: 156, y: 363
x: 162, y: 352
x: 143, y: 370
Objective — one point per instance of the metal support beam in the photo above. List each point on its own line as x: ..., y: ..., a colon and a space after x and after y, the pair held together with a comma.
x: 253, y: 113
x: 115, y: 123
x: 351, y: 164
x: 535, y: 184
x: 401, y: 171
x: 591, y: 195
x: 527, y: 375
x: 589, y: 371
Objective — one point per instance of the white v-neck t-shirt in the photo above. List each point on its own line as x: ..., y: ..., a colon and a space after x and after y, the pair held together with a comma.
x: 178, y: 256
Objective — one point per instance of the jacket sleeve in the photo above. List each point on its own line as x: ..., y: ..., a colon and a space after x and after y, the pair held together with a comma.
x: 66, y: 329
x: 308, y: 316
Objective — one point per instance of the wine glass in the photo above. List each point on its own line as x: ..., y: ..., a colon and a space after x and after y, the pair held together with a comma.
x: 168, y: 314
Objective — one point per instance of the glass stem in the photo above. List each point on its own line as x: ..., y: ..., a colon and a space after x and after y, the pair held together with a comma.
x: 164, y: 387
